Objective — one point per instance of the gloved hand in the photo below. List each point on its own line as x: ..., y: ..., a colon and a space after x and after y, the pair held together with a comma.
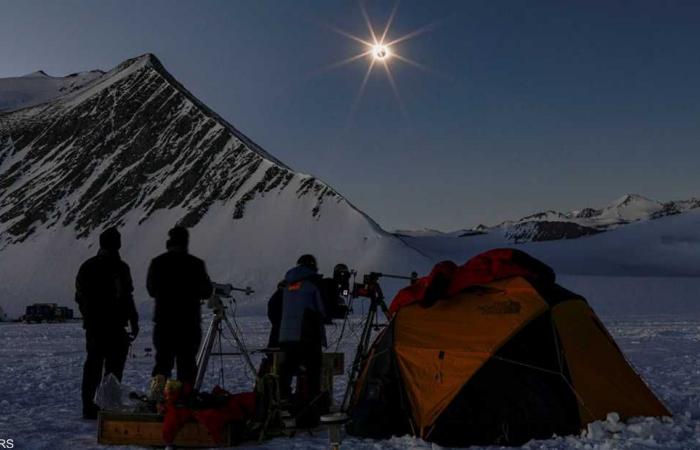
x: 134, y: 326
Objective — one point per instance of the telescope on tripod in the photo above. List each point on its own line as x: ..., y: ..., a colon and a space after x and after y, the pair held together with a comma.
x: 369, y: 288
x: 222, y: 300
x: 216, y: 328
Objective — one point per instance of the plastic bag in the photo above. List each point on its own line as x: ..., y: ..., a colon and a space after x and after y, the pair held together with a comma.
x: 111, y: 395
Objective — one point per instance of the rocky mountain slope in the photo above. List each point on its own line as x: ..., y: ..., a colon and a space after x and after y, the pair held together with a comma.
x: 133, y: 148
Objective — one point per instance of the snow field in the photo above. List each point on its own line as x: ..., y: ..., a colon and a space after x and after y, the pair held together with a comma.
x: 42, y: 368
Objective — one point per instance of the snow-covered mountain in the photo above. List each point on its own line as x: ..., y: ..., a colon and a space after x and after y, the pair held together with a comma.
x: 554, y: 225
x: 665, y: 247
x: 38, y: 87
x: 132, y: 147
x: 634, y: 248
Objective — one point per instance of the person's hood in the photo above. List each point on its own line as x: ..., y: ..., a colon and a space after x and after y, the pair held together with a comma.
x: 299, y: 273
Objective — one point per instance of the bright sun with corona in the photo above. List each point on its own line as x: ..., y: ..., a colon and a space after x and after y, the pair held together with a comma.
x: 379, y: 50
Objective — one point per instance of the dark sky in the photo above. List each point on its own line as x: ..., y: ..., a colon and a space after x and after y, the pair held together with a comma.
x: 532, y: 104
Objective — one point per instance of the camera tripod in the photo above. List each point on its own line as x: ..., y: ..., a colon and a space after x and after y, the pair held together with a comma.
x: 215, y: 331
x: 370, y: 323
x: 371, y: 289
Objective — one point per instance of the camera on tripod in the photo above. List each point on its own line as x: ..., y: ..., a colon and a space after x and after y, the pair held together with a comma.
x: 225, y: 290
x: 219, y: 321
x: 369, y: 288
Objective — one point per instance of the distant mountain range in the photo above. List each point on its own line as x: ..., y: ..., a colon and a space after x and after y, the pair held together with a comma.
x: 554, y: 225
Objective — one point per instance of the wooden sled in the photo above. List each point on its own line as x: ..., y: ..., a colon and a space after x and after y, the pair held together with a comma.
x: 146, y: 429
x: 117, y: 428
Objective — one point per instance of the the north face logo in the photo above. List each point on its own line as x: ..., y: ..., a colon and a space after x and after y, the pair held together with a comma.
x: 294, y: 286
x: 507, y: 307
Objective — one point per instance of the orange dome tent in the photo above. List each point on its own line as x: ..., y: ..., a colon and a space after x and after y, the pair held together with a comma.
x: 493, y: 352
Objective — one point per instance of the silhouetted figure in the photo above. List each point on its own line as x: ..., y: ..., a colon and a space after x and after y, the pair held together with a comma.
x: 178, y: 282
x: 302, y: 335
x: 104, y: 293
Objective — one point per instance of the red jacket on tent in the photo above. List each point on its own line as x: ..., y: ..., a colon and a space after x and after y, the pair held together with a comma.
x: 447, y: 279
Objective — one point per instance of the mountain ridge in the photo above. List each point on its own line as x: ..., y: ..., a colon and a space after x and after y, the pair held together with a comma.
x: 135, y: 149
x: 277, y: 174
x: 555, y: 225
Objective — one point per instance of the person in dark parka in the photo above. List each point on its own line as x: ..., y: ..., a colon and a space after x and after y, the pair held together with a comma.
x: 302, y: 335
x: 178, y: 282
x: 104, y: 294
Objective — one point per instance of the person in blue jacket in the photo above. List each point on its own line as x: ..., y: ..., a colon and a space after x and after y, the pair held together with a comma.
x: 301, y: 337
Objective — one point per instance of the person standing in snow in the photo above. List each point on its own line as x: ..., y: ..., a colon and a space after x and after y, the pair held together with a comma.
x: 104, y: 294
x: 302, y: 336
x: 178, y: 282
